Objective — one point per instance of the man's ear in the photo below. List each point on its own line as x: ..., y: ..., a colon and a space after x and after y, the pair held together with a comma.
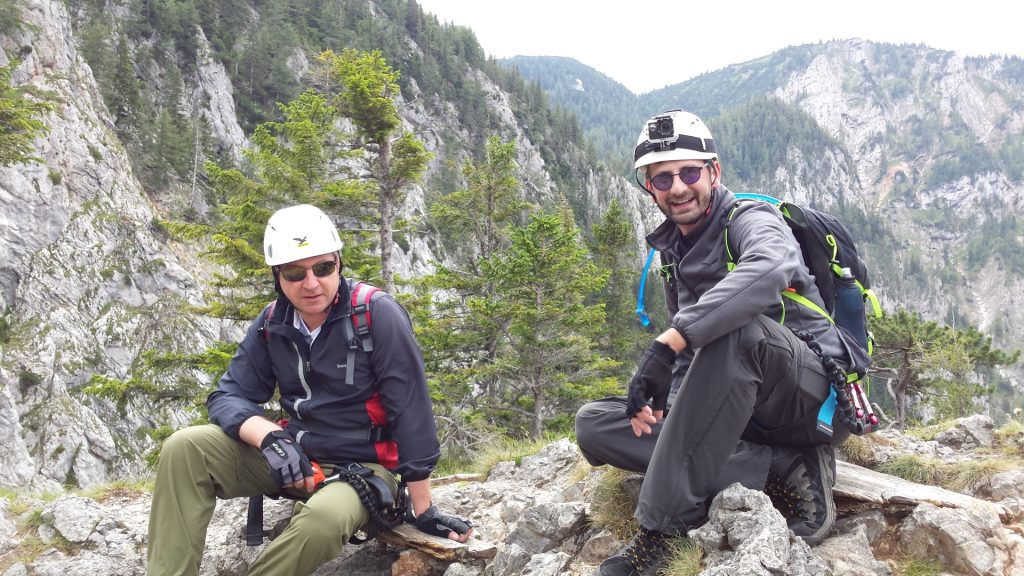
x: 718, y: 171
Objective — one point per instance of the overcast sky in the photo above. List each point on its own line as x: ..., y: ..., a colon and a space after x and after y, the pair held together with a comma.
x: 649, y: 44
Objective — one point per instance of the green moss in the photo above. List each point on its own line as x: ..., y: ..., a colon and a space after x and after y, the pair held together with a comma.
x: 918, y: 567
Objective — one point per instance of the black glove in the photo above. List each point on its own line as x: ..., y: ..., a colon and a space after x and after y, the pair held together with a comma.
x: 652, y: 379
x: 288, y: 464
x: 433, y: 522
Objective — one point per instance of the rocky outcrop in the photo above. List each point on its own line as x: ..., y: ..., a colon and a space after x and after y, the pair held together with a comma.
x: 534, y: 518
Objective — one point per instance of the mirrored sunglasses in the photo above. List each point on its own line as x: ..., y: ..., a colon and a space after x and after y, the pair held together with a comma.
x: 688, y: 174
x: 296, y: 273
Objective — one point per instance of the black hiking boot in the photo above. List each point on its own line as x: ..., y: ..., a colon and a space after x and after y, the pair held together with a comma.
x: 644, y: 556
x: 800, y: 487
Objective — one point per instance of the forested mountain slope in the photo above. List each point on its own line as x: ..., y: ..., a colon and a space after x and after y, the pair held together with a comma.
x: 920, y: 150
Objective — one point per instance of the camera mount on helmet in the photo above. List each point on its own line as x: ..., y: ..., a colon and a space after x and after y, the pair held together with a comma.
x: 660, y: 128
x: 673, y: 135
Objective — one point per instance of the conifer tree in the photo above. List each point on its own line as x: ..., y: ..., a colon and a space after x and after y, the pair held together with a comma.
x: 20, y: 111
x: 125, y: 100
x: 935, y: 363
x: 458, y: 328
x: 614, y: 250
x: 364, y: 90
x: 547, y: 361
x: 295, y: 161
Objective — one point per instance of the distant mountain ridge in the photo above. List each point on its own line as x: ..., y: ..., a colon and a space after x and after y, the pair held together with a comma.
x: 899, y: 133
x: 921, y: 150
x: 606, y: 110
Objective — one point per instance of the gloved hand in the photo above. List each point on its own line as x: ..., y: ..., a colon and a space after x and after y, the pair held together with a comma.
x: 433, y: 522
x: 652, y: 379
x: 288, y: 464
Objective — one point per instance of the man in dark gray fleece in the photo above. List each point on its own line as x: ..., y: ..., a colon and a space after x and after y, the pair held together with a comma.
x: 727, y: 393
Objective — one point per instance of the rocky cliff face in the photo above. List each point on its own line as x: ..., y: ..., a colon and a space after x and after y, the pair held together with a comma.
x: 87, y: 282
x: 864, y: 105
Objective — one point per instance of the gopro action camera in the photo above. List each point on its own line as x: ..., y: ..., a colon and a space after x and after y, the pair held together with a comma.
x: 661, y: 128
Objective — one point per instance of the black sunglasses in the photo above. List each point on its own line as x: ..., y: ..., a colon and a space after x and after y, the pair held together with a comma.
x: 296, y: 273
x: 688, y: 174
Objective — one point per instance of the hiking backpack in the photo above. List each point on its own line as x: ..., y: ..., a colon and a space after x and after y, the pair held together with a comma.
x: 841, y: 276
x: 832, y: 258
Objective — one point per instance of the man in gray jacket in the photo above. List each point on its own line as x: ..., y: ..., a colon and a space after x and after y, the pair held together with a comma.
x: 727, y: 393
x: 366, y: 409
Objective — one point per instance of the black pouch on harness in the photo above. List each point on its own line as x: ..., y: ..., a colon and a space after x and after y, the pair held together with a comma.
x: 382, y: 496
x: 386, y: 509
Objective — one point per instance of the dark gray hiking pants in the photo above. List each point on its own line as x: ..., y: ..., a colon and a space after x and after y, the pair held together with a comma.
x: 753, y: 388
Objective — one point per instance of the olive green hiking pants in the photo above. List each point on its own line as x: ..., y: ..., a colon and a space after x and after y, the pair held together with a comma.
x: 200, y: 464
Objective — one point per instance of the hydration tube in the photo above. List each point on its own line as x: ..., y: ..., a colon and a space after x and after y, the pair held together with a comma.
x: 640, y: 310
x: 753, y: 196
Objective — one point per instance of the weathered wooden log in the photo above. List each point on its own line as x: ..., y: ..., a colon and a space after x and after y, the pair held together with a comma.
x: 407, y: 536
x: 859, y: 483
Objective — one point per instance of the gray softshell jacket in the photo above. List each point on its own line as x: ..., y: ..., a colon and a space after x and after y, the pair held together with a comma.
x: 706, y: 301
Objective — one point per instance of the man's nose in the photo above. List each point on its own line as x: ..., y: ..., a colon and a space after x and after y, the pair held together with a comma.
x: 310, y: 279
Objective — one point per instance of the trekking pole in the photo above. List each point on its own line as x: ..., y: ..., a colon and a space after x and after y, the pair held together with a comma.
x: 862, y: 397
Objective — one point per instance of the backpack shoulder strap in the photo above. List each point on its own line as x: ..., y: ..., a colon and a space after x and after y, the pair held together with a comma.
x: 362, y: 295
x: 361, y: 321
x: 266, y: 320
x: 730, y: 263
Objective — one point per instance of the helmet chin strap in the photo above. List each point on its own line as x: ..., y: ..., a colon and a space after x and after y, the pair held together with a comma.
x: 645, y: 186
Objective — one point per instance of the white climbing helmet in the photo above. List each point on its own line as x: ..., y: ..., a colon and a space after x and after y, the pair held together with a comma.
x: 674, y: 135
x: 299, y: 232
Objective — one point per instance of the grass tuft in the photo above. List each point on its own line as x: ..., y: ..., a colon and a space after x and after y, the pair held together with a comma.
x: 966, y: 475
x: 918, y: 567
x: 612, y: 508
x: 1010, y: 438
x: 506, y: 449
x: 686, y: 559
x: 930, y: 431
x: 857, y: 450
x: 122, y: 487
x: 914, y: 468
x: 957, y: 476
